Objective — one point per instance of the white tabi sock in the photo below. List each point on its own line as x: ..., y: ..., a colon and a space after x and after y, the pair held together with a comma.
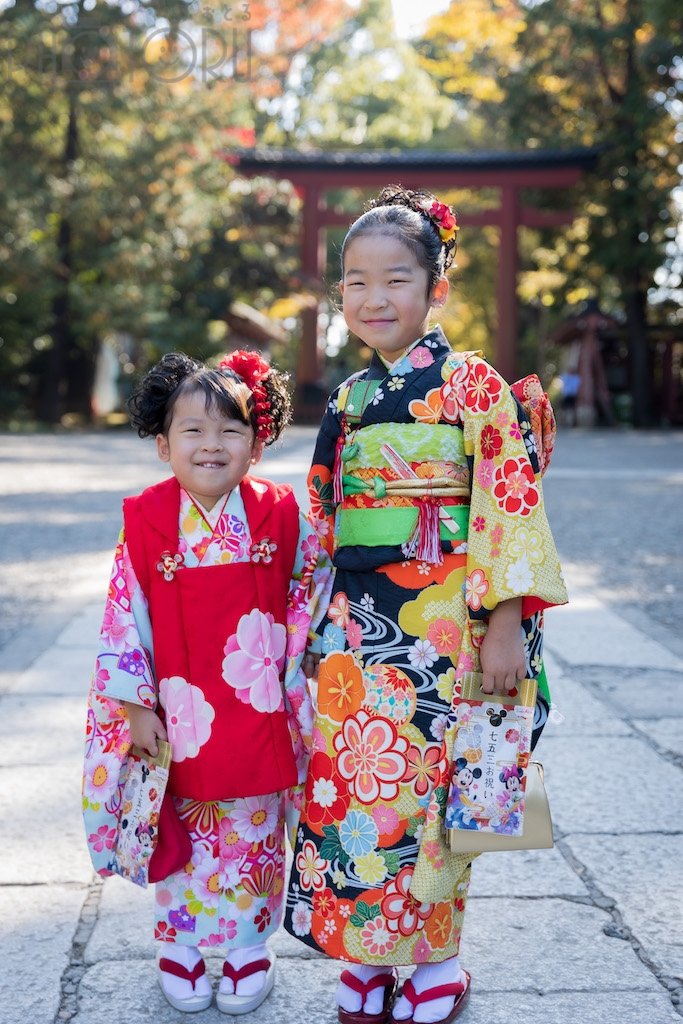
x: 353, y: 1001
x: 238, y: 958
x: 188, y: 957
x: 429, y: 976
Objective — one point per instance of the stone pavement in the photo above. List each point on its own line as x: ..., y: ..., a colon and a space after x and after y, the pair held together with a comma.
x: 590, y: 932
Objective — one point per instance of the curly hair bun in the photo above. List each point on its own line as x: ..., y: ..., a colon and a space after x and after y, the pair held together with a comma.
x: 149, y: 403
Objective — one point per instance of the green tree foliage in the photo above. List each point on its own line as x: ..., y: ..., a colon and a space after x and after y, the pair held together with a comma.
x: 119, y: 211
x: 557, y: 73
x: 610, y: 74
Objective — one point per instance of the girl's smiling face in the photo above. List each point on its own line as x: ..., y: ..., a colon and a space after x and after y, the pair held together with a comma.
x: 208, y: 452
x: 386, y: 298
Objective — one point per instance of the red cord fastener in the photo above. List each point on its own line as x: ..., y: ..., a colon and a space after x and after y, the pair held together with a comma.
x: 169, y: 565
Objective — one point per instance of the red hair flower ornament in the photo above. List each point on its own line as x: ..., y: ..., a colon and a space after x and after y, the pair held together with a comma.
x: 253, y: 370
x: 442, y: 217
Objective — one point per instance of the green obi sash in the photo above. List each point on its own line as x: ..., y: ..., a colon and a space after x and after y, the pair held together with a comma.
x: 387, y: 524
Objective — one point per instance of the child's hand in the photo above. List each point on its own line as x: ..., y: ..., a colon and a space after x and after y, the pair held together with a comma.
x: 145, y: 727
x: 310, y: 665
x: 502, y: 651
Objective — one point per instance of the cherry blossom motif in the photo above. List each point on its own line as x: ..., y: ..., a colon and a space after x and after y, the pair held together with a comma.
x: 476, y: 588
x: 376, y: 937
x: 402, y: 912
x: 371, y: 757
x: 484, y: 473
x: 514, y: 487
x: 297, y: 631
x: 254, y: 659
x: 339, y: 610
x: 445, y: 635
x: 465, y: 664
x: 188, y: 716
x: 420, y: 357
x: 301, y: 919
x: 311, y: 867
x: 118, y: 629
x: 102, y: 677
x: 102, y: 771
x: 484, y: 388
x: 479, y: 524
x: 104, y: 837
x: 354, y: 634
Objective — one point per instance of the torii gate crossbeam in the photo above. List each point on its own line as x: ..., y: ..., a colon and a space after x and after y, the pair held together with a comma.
x: 313, y: 174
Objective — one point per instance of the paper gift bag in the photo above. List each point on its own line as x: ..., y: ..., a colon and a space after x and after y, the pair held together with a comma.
x: 143, y: 792
x: 490, y: 758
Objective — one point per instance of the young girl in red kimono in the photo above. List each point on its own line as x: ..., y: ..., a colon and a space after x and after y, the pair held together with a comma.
x: 204, y: 631
x: 425, y: 486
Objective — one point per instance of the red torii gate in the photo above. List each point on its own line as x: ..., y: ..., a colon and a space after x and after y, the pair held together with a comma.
x: 313, y: 173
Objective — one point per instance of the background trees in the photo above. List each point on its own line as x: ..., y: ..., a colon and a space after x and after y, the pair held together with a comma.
x: 606, y: 73
x: 120, y: 211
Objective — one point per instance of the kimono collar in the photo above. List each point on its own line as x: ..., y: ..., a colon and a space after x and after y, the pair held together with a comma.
x: 160, y: 505
x: 434, y: 342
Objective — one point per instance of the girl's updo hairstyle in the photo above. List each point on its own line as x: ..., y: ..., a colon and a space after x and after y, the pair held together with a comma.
x: 426, y: 226
x: 152, y: 402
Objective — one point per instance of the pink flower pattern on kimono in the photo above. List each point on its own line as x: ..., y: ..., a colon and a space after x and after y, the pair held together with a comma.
x: 297, y: 631
x: 255, y: 817
x: 254, y: 659
x: 104, y: 838
x: 118, y: 629
x: 188, y: 716
x: 232, y: 846
x: 102, y: 771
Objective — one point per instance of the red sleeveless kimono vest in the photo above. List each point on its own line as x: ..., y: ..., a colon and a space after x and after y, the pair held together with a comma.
x: 194, y: 614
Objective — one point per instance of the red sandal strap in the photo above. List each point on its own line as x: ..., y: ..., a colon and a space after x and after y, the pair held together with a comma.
x: 364, y: 987
x: 245, y: 972
x: 454, y: 988
x: 171, y: 967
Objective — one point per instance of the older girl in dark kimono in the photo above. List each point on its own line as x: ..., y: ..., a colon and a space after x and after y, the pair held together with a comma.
x: 425, y: 487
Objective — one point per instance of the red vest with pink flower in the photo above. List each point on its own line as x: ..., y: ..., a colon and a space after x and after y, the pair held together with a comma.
x: 219, y: 637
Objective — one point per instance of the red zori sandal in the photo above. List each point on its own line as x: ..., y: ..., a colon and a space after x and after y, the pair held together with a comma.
x: 234, y: 1003
x: 459, y: 989
x: 188, y: 1004
x: 388, y: 982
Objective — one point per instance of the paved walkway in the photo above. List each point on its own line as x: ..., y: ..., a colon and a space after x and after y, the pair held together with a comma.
x: 590, y: 932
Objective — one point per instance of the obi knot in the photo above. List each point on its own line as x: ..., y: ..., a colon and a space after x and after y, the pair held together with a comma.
x: 380, y: 486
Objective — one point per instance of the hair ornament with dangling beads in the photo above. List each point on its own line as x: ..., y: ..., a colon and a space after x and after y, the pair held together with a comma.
x: 253, y: 370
